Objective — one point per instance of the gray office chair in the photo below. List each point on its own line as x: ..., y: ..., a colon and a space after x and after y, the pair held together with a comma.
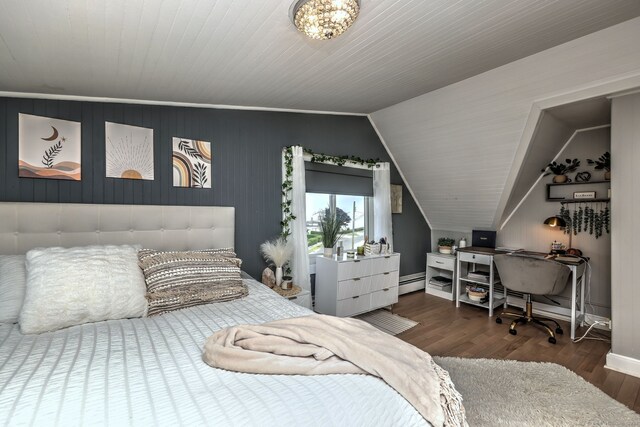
x: 531, y: 276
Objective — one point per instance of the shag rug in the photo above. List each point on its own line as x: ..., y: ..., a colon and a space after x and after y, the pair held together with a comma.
x: 387, y: 321
x: 512, y: 393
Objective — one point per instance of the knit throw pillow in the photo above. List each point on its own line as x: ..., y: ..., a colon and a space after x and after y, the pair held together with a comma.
x: 177, y: 280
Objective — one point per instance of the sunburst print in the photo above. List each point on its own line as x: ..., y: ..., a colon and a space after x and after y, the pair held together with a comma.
x: 129, y: 151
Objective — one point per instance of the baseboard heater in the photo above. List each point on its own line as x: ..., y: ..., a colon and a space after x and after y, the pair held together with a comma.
x: 411, y: 283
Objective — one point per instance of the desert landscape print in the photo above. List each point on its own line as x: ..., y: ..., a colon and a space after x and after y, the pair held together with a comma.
x: 48, y: 148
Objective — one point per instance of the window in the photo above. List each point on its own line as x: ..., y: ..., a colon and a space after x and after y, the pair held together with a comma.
x: 353, y: 210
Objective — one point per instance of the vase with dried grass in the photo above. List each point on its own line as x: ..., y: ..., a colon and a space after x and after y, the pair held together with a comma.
x: 279, y: 252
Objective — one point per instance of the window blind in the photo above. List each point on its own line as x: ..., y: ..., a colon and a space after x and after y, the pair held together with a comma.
x: 332, y: 179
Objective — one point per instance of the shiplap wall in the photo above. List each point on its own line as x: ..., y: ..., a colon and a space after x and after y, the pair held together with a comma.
x: 456, y: 146
x: 625, y: 250
x: 526, y: 230
x: 246, y: 166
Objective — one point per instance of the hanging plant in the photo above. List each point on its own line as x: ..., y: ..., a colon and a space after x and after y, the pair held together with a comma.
x: 591, y: 220
x: 287, y: 183
x: 607, y: 219
x: 580, y: 218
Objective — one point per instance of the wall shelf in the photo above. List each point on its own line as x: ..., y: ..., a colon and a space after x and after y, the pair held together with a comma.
x: 572, y: 200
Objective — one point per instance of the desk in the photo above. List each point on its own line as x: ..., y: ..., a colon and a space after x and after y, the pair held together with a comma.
x: 577, y: 273
x: 485, y: 256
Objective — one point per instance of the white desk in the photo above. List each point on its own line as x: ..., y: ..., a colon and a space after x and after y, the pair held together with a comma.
x: 577, y: 275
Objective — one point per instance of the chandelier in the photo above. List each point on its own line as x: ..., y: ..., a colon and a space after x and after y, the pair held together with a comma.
x: 325, y: 19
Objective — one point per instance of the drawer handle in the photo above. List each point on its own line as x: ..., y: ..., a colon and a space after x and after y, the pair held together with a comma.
x: 292, y: 298
x: 387, y: 256
x: 439, y: 262
x: 356, y: 260
x: 355, y: 279
x: 386, y: 273
x: 356, y: 297
x: 385, y: 289
x: 474, y: 257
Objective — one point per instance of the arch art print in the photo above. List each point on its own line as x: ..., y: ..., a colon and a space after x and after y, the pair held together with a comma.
x: 191, y: 163
x: 48, y: 148
x: 128, y: 151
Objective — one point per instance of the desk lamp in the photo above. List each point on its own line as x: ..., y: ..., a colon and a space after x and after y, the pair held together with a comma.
x: 556, y: 221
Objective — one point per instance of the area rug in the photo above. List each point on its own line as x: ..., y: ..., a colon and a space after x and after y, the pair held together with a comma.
x: 387, y: 321
x: 512, y: 393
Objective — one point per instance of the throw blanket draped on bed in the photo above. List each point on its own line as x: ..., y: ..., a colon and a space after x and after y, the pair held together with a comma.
x: 321, y: 345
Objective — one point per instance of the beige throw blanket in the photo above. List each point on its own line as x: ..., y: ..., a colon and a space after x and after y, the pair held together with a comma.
x: 320, y: 345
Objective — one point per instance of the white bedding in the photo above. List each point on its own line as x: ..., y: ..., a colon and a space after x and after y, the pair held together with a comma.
x: 149, y: 371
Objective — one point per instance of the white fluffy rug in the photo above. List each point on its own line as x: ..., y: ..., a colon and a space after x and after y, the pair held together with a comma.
x: 512, y: 393
x: 387, y: 322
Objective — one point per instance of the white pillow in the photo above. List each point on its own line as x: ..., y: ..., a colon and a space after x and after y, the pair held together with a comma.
x: 13, y: 281
x: 68, y: 287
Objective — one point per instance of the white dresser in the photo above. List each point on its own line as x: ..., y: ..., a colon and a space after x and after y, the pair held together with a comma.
x: 351, y: 286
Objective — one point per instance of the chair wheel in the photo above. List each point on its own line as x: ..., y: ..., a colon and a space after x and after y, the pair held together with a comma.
x: 498, y: 320
x: 559, y: 331
x: 513, y: 332
x: 552, y: 340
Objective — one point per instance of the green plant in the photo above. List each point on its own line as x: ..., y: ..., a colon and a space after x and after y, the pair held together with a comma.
x: 330, y: 229
x: 602, y: 162
x: 561, y: 168
x: 446, y: 241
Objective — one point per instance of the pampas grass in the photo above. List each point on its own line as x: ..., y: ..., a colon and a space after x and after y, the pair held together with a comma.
x: 278, y: 251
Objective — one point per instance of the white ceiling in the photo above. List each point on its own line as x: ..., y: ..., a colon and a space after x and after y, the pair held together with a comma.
x: 249, y: 54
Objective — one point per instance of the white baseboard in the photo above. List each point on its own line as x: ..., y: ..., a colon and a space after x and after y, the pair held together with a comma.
x: 624, y: 364
x: 411, y: 287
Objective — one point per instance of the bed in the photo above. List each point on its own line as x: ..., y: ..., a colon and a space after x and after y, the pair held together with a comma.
x: 149, y: 371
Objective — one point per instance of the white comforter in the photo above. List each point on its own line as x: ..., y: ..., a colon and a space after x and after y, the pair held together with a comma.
x: 150, y: 372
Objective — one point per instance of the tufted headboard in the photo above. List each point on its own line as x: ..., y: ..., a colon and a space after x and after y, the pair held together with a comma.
x: 25, y: 226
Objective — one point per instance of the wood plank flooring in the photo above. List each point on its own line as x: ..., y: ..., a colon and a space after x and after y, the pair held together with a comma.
x: 469, y: 332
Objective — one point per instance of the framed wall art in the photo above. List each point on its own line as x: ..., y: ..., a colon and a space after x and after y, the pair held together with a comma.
x: 128, y: 151
x: 191, y: 163
x: 48, y: 148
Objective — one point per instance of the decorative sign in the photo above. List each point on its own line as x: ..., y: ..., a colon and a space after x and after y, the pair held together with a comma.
x: 191, y: 163
x: 396, y: 199
x: 48, y: 148
x: 584, y: 195
x: 129, y: 151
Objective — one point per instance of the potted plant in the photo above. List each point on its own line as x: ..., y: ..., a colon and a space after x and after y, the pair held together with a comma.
x: 560, y: 170
x: 278, y: 251
x: 603, y: 162
x: 330, y: 230
x: 445, y: 244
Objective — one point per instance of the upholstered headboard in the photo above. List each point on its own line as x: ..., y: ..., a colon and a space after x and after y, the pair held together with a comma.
x: 25, y: 226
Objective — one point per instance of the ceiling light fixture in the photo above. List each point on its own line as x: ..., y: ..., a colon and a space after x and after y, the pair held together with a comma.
x: 324, y: 19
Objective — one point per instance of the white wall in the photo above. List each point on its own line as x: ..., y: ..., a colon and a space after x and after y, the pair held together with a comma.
x: 526, y: 230
x: 625, y: 249
x: 456, y: 145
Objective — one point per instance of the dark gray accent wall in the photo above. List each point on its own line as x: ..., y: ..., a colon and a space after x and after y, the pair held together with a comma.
x: 246, y: 145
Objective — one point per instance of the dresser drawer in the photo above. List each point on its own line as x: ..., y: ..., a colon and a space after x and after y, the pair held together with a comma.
x: 445, y: 263
x: 384, y: 297
x: 384, y: 280
x: 384, y: 264
x: 356, y: 268
x: 477, y: 258
x: 354, y: 305
x: 351, y: 288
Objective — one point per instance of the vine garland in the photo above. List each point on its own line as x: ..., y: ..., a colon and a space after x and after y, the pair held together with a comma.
x: 287, y: 184
x: 594, y: 221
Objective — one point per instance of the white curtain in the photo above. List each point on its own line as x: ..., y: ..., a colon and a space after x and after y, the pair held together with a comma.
x: 300, y: 259
x: 382, y: 203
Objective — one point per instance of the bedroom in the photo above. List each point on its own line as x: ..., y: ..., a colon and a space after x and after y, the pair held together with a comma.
x: 452, y: 96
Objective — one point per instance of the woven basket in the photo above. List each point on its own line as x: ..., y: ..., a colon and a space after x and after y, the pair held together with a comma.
x: 295, y: 290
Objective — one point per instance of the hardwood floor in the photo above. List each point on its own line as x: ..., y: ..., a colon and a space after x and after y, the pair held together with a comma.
x: 469, y: 332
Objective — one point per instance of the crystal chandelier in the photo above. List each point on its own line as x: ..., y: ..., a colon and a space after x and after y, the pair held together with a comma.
x: 325, y: 19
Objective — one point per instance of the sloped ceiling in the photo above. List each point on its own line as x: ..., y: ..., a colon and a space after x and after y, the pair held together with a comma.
x: 248, y: 53
x: 457, y: 146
